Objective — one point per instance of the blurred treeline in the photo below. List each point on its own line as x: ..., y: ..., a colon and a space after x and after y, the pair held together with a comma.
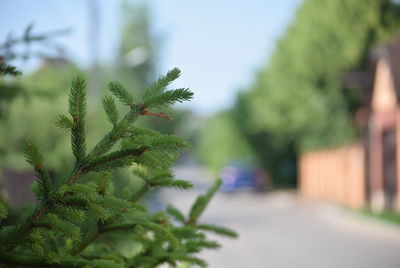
x: 30, y: 103
x: 297, y: 101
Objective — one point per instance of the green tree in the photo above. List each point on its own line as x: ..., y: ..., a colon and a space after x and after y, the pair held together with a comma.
x: 297, y: 101
x: 276, y: 153
x: 220, y: 142
x: 138, y: 48
x: 300, y: 92
x: 28, y: 115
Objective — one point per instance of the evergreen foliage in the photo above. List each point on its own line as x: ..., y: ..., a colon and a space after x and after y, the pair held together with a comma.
x: 78, y: 221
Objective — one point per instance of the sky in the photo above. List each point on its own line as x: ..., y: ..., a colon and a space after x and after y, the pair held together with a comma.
x: 218, y: 45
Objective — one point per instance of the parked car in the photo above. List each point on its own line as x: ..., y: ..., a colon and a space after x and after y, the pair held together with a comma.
x: 243, y: 176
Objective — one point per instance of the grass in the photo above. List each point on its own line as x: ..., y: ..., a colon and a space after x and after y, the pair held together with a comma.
x: 390, y: 216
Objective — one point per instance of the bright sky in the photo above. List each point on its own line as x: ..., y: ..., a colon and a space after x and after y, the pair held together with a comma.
x: 218, y: 45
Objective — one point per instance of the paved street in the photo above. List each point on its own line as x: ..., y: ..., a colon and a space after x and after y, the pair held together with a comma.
x: 279, y: 230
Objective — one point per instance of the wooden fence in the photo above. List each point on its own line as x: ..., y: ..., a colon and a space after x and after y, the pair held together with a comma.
x: 335, y: 175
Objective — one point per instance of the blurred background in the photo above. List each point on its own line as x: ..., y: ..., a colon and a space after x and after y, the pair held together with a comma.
x: 296, y: 107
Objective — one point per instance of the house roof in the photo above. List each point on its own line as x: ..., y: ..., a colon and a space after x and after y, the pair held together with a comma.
x: 390, y: 53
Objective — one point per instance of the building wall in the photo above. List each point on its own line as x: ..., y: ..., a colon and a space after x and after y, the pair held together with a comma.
x: 335, y: 175
x: 398, y: 158
x: 383, y: 119
x: 339, y: 175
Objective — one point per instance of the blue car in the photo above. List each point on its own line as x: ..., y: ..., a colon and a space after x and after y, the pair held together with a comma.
x: 240, y: 176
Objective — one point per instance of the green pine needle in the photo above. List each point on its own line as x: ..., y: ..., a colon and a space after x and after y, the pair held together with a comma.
x: 111, y: 110
x: 117, y: 159
x: 70, y: 213
x: 196, y: 245
x: 171, y: 183
x: 119, y: 91
x: 168, y: 98
x: 64, y: 122
x: 77, y: 110
x: 164, y: 232
x: 107, y: 264
x: 77, y: 99
x: 52, y: 221
x: 161, y: 83
x: 202, y: 201
x: 35, y: 158
x: 218, y: 230
x: 193, y: 260
x: 173, y: 211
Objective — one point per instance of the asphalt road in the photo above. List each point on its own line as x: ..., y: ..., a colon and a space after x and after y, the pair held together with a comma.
x: 281, y: 230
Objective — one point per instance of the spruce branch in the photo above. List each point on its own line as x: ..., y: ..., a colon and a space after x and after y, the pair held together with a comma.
x: 119, y: 131
x: 110, y: 139
x: 142, y: 131
x: 35, y: 158
x: 161, y: 83
x: 64, y: 122
x: 52, y: 221
x: 117, y: 159
x: 111, y: 110
x: 77, y: 110
x: 195, y: 246
x: 140, y: 192
x: 171, y: 183
x: 51, y: 229
x: 18, y: 232
x: 110, y: 226
x: 93, y: 235
x: 187, y: 232
x: 218, y: 230
x: 202, y: 201
x: 173, y: 211
x: 168, y: 98
x: 104, y: 183
x: 34, y: 261
x: 119, y: 227
x: 163, y: 231
x: 90, y: 237
x: 160, y: 114
x: 70, y: 213
x: 120, y: 92
x: 150, y: 181
x: 193, y: 260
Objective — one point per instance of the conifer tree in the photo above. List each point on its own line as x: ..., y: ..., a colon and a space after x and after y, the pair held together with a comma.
x: 78, y: 221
